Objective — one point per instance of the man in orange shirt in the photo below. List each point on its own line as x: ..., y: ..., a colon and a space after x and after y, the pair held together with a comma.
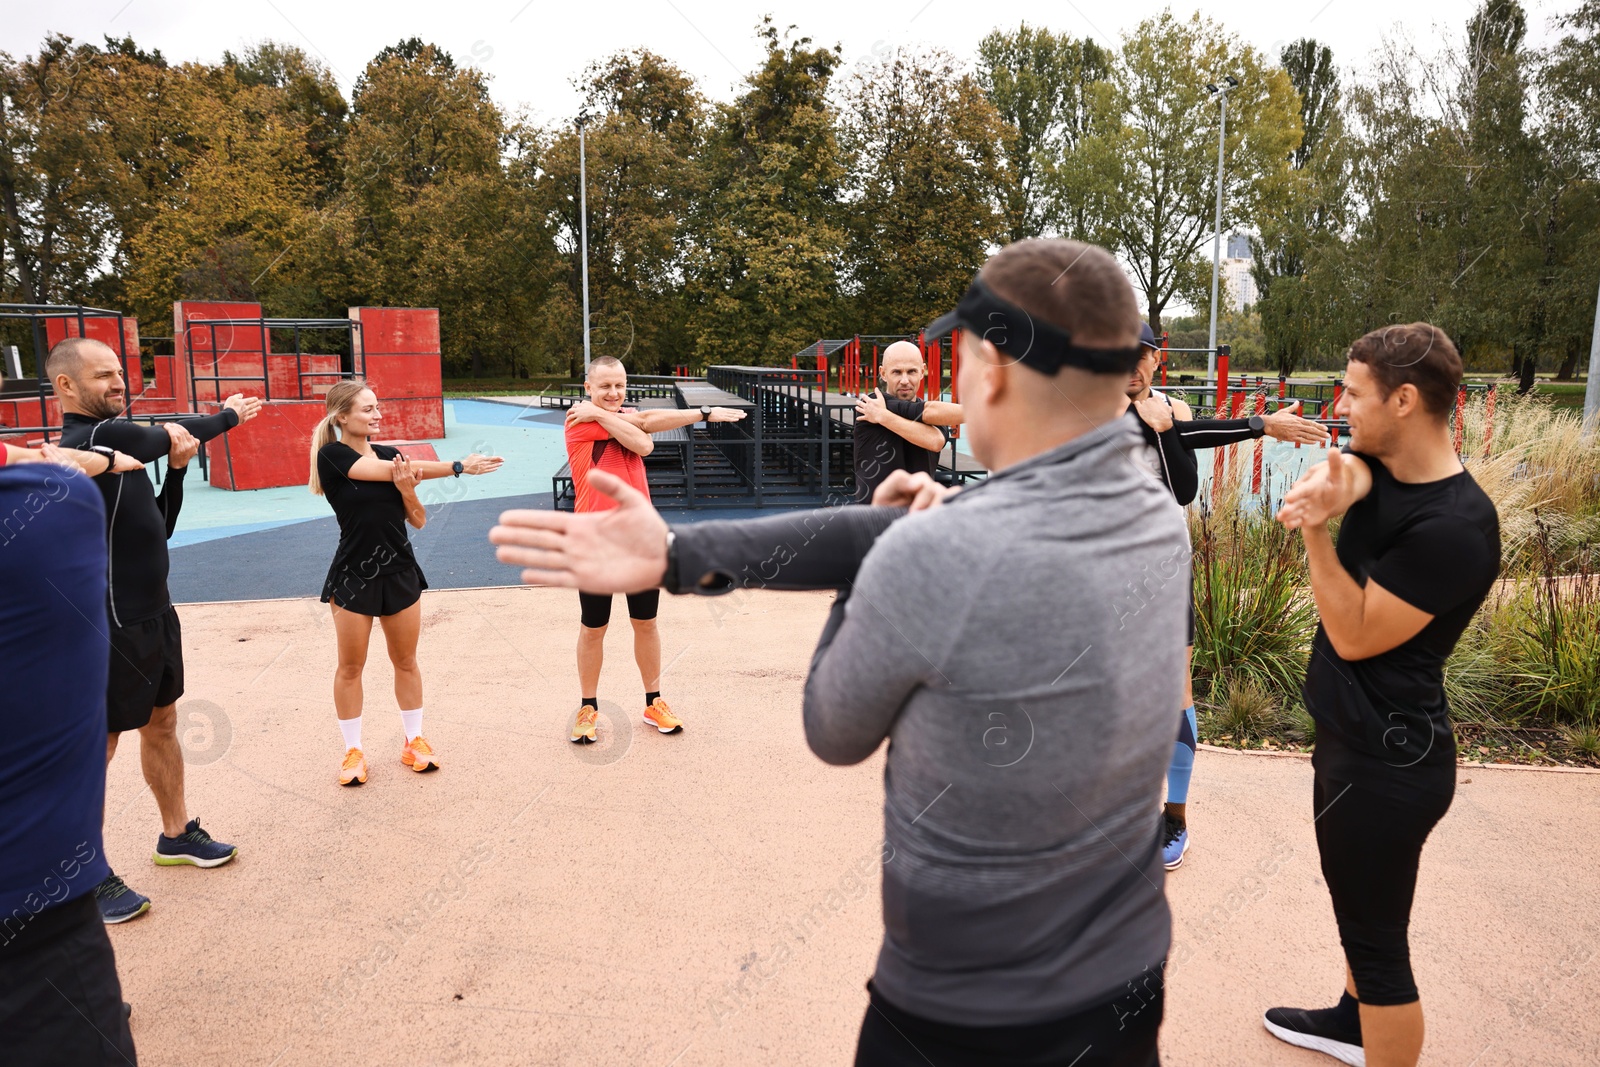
x: 603, y: 435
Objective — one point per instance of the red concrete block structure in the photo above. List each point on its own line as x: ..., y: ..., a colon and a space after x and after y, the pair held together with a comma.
x: 400, y: 349
x: 273, y: 449
x: 217, y: 352
x: 26, y: 411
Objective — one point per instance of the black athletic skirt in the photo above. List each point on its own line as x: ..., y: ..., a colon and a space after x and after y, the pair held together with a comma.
x: 387, y: 594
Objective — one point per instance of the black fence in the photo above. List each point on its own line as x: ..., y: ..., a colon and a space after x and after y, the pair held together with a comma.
x: 261, y: 328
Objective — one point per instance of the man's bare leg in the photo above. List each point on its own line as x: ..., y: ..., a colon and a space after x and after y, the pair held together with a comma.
x: 647, y: 653
x: 1391, y: 1035
x: 591, y: 653
x: 161, y: 757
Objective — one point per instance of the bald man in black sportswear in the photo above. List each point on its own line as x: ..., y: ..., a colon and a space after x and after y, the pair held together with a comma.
x: 146, y: 677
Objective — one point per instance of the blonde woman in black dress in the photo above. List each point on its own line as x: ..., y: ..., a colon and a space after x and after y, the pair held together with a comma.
x: 373, y: 491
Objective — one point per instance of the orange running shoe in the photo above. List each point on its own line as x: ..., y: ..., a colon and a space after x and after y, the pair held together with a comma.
x: 418, y: 755
x: 354, y: 769
x: 583, y: 725
x: 660, y: 716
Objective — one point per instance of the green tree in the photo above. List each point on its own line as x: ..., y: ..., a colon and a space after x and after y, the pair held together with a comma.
x: 1570, y: 134
x: 239, y: 224
x: 58, y: 171
x: 415, y: 120
x: 769, y: 239
x: 1040, y: 84
x: 924, y: 149
x: 1153, y: 141
x: 645, y: 126
x: 1307, y: 225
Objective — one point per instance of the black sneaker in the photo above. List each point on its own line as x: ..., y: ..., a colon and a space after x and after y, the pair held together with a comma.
x: 1334, y: 1032
x: 117, y: 902
x: 194, y: 846
x: 1174, y: 841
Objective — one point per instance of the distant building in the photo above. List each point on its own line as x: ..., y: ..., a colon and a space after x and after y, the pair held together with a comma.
x: 1236, y: 276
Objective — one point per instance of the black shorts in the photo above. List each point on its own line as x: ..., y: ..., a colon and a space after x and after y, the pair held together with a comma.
x: 60, y: 999
x: 146, y: 670
x: 597, y: 607
x: 1372, y: 819
x: 387, y: 594
x: 1119, y: 1033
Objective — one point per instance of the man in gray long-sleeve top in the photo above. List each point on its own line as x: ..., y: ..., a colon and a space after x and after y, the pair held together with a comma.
x: 1027, y: 696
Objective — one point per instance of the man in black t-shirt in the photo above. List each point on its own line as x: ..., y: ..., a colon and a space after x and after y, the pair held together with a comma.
x: 146, y: 675
x: 1418, y: 550
x: 894, y: 430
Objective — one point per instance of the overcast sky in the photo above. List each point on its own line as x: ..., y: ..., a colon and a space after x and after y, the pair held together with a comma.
x: 533, y: 49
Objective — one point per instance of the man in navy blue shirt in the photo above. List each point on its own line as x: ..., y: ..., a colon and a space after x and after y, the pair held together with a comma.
x: 60, y: 999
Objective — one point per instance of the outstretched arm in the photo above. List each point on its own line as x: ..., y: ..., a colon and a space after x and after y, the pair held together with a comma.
x: 658, y: 419
x: 625, y: 549
x: 372, y: 469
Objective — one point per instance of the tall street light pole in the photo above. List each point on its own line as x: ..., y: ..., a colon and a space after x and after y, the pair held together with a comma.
x: 583, y: 235
x: 1221, y: 93
x: 1591, y: 391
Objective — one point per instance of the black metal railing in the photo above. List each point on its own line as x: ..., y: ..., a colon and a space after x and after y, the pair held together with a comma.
x: 261, y: 326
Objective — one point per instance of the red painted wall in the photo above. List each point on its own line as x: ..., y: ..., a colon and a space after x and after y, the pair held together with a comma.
x: 238, y: 350
x: 105, y: 330
x: 400, y: 347
x: 273, y: 449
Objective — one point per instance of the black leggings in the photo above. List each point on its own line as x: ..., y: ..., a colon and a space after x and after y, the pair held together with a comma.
x: 1119, y: 1033
x: 596, y: 607
x: 1371, y: 820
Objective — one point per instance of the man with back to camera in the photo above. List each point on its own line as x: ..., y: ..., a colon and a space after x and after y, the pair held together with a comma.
x: 1418, y: 551
x: 60, y: 997
x: 896, y: 430
x: 146, y: 673
x: 1170, y: 435
x: 603, y: 435
x: 1024, y: 917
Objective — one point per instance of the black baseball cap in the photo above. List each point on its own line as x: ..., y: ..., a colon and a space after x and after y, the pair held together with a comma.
x: 1147, y: 336
x: 1042, y: 345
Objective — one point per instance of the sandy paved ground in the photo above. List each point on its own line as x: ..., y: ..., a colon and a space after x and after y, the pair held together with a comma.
x: 711, y: 898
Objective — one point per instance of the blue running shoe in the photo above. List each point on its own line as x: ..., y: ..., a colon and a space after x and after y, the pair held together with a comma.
x: 1174, y: 841
x: 117, y: 902
x: 194, y: 846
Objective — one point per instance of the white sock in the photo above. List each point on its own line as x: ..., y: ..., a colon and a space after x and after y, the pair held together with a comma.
x: 351, y: 728
x: 412, y: 721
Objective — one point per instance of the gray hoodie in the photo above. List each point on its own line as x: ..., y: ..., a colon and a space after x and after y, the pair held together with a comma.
x: 1022, y: 649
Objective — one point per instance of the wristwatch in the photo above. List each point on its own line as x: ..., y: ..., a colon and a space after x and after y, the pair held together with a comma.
x: 669, y: 577
x: 1258, y: 425
x: 705, y: 411
x: 457, y: 468
x: 106, y: 451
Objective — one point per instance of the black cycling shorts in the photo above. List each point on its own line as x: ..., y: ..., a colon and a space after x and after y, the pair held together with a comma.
x: 1371, y: 821
x: 146, y: 670
x: 596, y: 607
x: 387, y: 594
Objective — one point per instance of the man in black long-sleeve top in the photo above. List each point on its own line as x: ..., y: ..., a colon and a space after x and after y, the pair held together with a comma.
x: 146, y: 677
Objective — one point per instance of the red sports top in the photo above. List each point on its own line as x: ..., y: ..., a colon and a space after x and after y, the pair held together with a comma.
x: 585, y: 440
